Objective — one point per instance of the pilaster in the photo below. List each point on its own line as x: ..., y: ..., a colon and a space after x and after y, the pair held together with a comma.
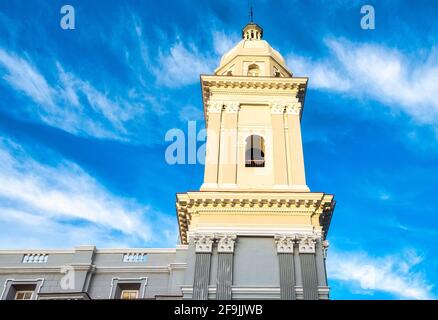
x: 320, y: 264
x: 306, y: 247
x: 225, y: 249
x: 285, y: 251
x: 214, y: 114
x: 279, y: 144
x: 295, y: 148
x: 228, y: 145
x: 203, y: 249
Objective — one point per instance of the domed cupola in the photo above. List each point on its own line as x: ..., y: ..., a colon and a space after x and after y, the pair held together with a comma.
x: 253, y: 57
x: 252, y: 31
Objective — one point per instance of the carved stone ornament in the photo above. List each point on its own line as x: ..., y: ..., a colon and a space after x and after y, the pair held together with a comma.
x: 277, y: 108
x: 226, y: 243
x: 293, y: 108
x: 306, y: 244
x: 285, y: 244
x: 203, y: 243
x: 325, y: 245
x: 232, y: 106
x: 214, y: 106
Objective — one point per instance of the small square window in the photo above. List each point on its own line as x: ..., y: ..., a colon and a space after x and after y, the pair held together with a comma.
x: 21, y: 289
x: 129, y: 294
x: 23, y: 295
x: 128, y: 288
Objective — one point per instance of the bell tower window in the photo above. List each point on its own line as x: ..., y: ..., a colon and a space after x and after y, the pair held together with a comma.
x: 253, y: 70
x: 255, y: 151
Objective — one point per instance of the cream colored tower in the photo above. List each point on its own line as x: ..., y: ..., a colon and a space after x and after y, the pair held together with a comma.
x: 254, y: 182
x: 253, y: 93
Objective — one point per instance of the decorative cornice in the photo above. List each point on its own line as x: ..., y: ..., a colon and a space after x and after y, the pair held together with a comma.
x: 253, y: 202
x: 226, y: 243
x: 326, y: 218
x: 221, y: 202
x: 254, y: 82
x: 285, y: 244
x: 203, y: 243
x: 293, y: 86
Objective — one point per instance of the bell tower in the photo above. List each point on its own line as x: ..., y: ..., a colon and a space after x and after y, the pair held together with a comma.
x: 254, y: 223
x: 253, y: 108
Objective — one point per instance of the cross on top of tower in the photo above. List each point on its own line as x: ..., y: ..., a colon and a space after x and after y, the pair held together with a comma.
x: 252, y: 31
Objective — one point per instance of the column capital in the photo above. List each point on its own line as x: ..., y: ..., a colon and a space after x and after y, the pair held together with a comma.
x: 306, y: 244
x: 203, y: 243
x: 285, y: 244
x: 232, y: 106
x: 277, y: 107
x: 214, y: 106
x: 293, y: 108
x: 226, y: 243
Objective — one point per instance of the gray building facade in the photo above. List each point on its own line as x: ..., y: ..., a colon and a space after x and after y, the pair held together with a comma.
x: 254, y: 268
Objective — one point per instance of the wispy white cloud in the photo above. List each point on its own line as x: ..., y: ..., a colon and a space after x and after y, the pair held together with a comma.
x: 181, y: 65
x: 322, y: 74
x: 191, y: 113
x: 112, y: 114
x: 65, y: 195
x: 183, y: 62
x: 44, y: 232
x: 24, y: 77
x: 137, y: 56
x: 73, y: 104
x: 65, y: 100
x: 223, y: 42
x: 404, y: 83
x: 391, y: 274
x: 426, y: 231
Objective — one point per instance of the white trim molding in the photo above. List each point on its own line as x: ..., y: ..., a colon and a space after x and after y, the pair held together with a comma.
x: 38, y: 282
x: 142, y: 281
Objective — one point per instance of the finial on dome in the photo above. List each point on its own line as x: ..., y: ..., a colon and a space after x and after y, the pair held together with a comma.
x: 252, y: 31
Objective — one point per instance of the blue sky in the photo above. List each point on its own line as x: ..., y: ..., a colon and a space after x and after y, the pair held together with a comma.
x: 84, y: 113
